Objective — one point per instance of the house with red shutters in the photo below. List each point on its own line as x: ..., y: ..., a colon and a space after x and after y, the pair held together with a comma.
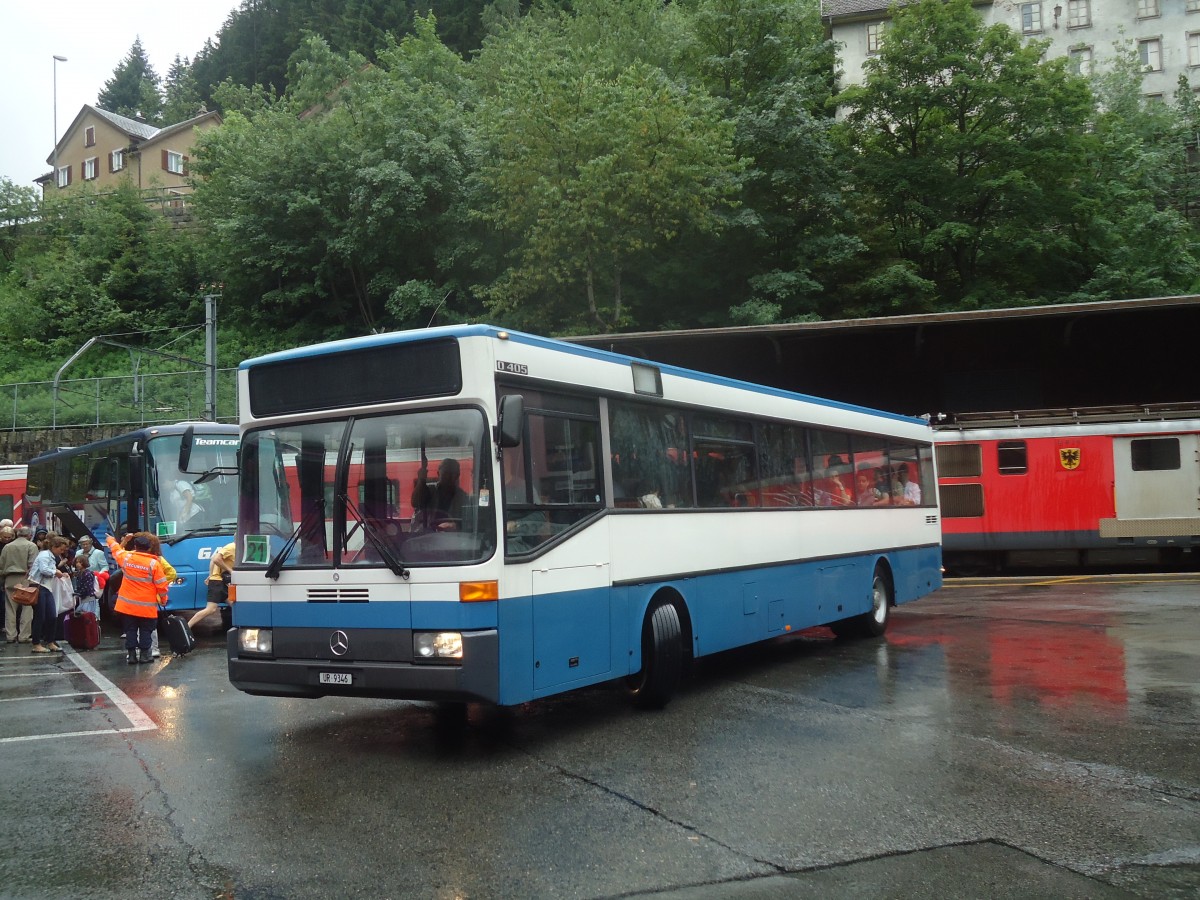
x: 102, y: 148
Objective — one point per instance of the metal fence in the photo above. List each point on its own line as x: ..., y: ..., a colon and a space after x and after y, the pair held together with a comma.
x: 131, y: 400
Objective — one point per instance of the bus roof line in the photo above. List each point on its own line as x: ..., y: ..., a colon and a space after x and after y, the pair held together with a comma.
x: 462, y: 331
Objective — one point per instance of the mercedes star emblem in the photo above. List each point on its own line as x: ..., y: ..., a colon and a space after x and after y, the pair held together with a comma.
x: 339, y: 643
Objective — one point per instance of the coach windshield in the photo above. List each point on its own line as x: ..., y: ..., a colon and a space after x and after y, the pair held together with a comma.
x: 390, y: 491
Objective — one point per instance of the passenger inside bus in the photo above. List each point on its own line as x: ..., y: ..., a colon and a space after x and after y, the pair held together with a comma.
x: 910, y: 491
x: 438, y: 506
x: 868, y: 490
x: 184, y: 501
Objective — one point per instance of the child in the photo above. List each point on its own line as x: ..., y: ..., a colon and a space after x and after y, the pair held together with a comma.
x: 83, y: 584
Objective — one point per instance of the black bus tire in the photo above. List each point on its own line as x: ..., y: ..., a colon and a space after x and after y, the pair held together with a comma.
x: 662, y: 659
x: 874, y: 622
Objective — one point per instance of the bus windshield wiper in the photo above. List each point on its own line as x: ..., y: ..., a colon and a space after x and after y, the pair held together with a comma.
x: 197, y: 532
x: 377, y: 540
x: 276, y: 563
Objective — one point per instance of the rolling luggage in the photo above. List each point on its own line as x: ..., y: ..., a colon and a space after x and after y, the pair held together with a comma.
x: 82, y: 630
x: 179, y: 635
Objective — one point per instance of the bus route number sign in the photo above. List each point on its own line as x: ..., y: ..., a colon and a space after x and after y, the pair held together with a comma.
x: 511, y: 368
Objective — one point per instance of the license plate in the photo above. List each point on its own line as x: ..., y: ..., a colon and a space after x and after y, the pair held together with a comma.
x: 336, y: 678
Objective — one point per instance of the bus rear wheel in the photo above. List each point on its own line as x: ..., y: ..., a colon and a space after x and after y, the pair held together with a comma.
x: 874, y: 622
x: 662, y: 659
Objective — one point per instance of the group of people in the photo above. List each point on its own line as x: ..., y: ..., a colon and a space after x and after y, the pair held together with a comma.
x: 41, y: 558
x: 880, y: 486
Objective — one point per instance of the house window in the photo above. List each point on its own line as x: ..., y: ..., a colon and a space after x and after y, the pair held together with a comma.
x: 173, y: 162
x: 1080, y: 59
x: 874, y: 36
x: 89, y: 136
x: 1150, y: 53
x: 64, y: 176
x: 116, y: 160
x: 1031, y: 17
x: 1147, y: 9
x: 1079, y: 13
x: 91, y: 168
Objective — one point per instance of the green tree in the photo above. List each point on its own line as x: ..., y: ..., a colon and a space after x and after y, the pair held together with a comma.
x: 595, y: 159
x: 334, y: 204
x: 18, y: 215
x: 258, y: 39
x: 1133, y: 229
x: 133, y: 90
x: 93, y: 264
x: 181, y: 96
x: 771, y: 62
x: 966, y: 148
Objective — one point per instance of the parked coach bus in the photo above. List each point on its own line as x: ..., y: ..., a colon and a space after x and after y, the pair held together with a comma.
x: 1071, y: 488
x: 473, y: 514
x: 176, y: 481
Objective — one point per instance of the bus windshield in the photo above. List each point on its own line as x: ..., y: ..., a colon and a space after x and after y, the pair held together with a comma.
x: 180, y: 503
x: 378, y: 491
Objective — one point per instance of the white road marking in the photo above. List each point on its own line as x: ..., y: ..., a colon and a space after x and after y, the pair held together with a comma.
x: 138, y: 720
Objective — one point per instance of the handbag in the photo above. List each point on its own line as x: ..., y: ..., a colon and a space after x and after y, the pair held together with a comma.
x: 26, y: 594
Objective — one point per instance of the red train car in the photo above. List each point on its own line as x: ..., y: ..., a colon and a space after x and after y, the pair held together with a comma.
x: 12, y: 491
x: 1070, y: 488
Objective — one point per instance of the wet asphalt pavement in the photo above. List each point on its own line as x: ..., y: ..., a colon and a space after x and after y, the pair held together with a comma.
x: 1032, y: 737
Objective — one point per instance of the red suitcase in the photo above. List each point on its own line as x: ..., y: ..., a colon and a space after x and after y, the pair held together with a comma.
x: 82, y: 630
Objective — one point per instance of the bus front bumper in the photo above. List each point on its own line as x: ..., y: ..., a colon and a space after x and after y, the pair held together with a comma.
x: 476, y: 679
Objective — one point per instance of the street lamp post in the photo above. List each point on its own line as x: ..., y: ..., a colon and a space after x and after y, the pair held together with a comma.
x: 57, y: 60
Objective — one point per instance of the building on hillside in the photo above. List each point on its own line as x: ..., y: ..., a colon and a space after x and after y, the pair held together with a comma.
x: 1166, y: 33
x: 103, y: 149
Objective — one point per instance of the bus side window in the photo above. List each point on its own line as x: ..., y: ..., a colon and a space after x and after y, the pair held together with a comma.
x: 650, y: 456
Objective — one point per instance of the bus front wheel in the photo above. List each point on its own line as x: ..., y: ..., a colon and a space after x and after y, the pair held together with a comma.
x: 874, y: 622
x: 662, y: 659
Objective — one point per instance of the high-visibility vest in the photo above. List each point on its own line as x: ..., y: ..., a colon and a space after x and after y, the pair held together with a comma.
x: 144, y: 581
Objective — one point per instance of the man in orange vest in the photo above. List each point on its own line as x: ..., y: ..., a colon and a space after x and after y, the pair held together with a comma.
x: 143, y: 591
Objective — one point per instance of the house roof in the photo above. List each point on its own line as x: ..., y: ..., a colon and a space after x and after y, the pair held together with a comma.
x: 842, y: 9
x: 138, y: 132
x: 836, y: 8
x: 188, y: 123
x: 131, y: 127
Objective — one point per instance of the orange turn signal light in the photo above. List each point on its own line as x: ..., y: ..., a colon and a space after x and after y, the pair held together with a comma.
x: 477, y: 591
x: 231, y: 597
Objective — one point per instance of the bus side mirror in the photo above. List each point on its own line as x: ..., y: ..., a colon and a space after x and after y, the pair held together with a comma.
x: 512, y: 420
x: 185, y: 448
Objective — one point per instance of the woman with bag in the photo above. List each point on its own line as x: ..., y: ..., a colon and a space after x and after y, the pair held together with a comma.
x: 45, y: 614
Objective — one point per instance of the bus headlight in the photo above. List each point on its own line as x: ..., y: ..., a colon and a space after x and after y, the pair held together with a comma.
x: 254, y: 640
x: 433, y: 645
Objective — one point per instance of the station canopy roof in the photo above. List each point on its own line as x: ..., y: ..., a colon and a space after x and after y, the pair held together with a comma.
x: 1123, y: 353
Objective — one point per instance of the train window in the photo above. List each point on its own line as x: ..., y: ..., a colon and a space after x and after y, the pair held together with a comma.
x: 961, y: 501
x: 6, y: 506
x: 1154, y: 454
x: 1011, y: 458
x: 960, y: 460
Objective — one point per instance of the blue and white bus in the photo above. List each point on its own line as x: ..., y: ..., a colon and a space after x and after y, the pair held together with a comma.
x: 612, y: 518
x: 176, y: 481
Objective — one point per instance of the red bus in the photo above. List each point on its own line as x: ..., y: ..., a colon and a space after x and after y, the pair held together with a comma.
x: 1070, y: 488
